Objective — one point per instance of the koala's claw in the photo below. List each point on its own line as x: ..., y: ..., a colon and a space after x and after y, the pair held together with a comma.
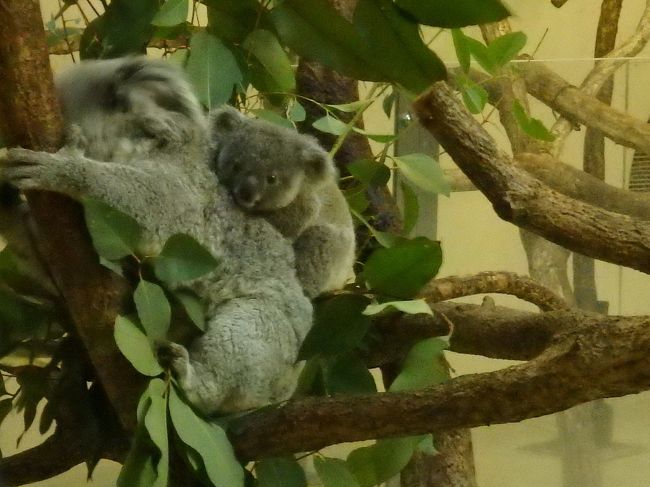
x: 172, y: 356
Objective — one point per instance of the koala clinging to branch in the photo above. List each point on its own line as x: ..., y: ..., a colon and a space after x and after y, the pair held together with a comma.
x: 141, y: 145
x: 290, y: 180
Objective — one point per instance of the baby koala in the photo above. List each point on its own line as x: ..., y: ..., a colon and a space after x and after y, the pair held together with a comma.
x: 290, y: 180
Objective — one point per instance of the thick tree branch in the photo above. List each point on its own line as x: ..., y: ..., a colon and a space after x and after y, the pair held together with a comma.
x: 32, y: 119
x: 581, y: 365
x: 523, y: 200
x: 575, y: 105
x: 493, y: 282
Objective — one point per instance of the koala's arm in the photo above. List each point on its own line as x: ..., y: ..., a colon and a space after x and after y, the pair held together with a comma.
x: 130, y: 189
x: 293, y: 219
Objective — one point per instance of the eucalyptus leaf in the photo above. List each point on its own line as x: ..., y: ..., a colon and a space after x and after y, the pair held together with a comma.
x: 209, y: 441
x: 351, y: 107
x: 234, y: 19
x: 213, y: 69
x: 454, y: 13
x: 381, y: 138
x: 339, y: 326
x: 462, y: 49
x: 273, y: 117
x: 5, y: 408
x: 280, y: 472
x: 424, y: 366
x: 479, y: 51
x: 411, y: 307
x: 182, y: 259
x: 193, y: 306
x: 296, y: 112
x: 531, y: 126
x: 403, y: 269
x: 173, y: 12
x: 504, y: 48
x: 374, y: 464
x: 153, y: 309
x: 333, y: 472
x: 347, y: 374
x: 314, y: 30
x: 135, y: 346
x: 138, y: 468
x: 330, y: 125
x: 265, y: 47
x: 114, y: 233
x: 424, y: 172
x: 369, y: 171
x: 155, y: 421
x: 392, y: 45
x: 474, y: 95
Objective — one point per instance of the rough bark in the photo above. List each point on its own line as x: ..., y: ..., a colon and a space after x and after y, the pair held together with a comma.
x: 92, y: 294
x: 579, y: 366
x: 523, y: 200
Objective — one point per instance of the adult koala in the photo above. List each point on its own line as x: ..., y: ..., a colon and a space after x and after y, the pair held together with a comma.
x: 139, y: 142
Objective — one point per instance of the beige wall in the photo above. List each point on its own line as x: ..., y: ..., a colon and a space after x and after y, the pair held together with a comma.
x: 474, y: 239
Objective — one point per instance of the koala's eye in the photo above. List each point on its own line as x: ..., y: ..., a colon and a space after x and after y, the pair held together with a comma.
x: 272, y: 178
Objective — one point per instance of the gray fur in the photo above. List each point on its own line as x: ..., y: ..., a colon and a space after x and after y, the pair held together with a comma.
x: 154, y: 168
x: 288, y: 178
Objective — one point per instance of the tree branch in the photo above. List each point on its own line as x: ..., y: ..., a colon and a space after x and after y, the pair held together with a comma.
x: 521, y: 199
x: 581, y: 365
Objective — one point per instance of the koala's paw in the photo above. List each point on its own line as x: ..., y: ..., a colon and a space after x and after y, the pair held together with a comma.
x: 174, y: 357
x: 28, y: 169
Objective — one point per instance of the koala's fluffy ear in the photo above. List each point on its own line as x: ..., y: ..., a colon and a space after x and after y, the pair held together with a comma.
x: 319, y: 167
x: 225, y: 120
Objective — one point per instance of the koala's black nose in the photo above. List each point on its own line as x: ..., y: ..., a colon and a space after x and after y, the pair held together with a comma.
x: 245, y: 195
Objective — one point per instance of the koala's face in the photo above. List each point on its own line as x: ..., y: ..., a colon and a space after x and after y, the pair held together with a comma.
x: 263, y: 165
x: 255, y: 179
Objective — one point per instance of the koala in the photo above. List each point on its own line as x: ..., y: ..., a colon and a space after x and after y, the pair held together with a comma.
x: 289, y: 179
x: 139, y: 142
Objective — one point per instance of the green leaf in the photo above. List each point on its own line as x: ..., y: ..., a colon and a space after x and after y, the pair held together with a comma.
x: 173, y: 12
x: 280, y: 472
x: 155, y: 421
x: 213, y: 69
x: 314, y: 30
x: 410, y: 208
x: 357, y: 199
x: 182, y: 259
x: 424, y: 366
x: 392, y: 45
x: 454, y: 13
x: 369, y: 171
x: 193, y: 306
x: 124, y: 28
x: 381, y: 138
x: 531, y: 126
x: 503, y: 49
x: 372, y: 465
x: 334, y: 472
x: 339, y: 326
x: 135, y: 346
x: 403, y: 269
x: 114, y: 234
x: 480, y: 52
x: 411, y: 307
x: 352, y: 107
x: 330, y: 125
x: 209, y: 441
x: 264, y: 46
x: 296, y: 112
x: 153, y: 309
x: 234, y: 19
x: 271, y: 116
x: 462, y: 48
x: 474, y: 95
x: 138, y: 469
x: 424, y: 172
x: 347, y: 374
